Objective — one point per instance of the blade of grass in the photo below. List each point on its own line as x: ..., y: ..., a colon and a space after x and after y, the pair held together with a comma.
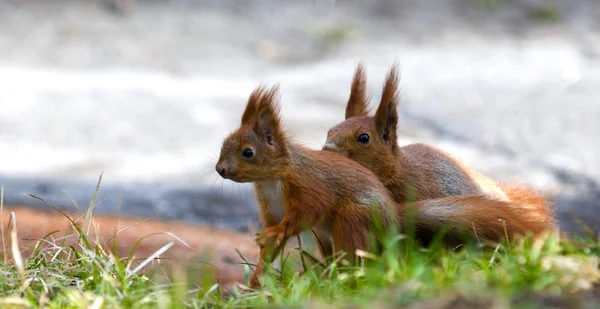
x: 244, y: 258
x: 115, y: 233
x: 313, y: 259
x: 17, y: 258
x: 123, y: 229
x: 74, y: 226
x: 53, y: 206
x: 304, y: 267
x: 150, y: 258
x: 2, y: 224
x: 92, y: 204
x: 72, y: 200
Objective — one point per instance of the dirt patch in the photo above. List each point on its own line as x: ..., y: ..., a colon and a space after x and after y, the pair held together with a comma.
x: 212, y: 247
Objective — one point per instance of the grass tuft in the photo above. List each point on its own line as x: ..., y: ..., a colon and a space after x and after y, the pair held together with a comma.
x: 527, y: 273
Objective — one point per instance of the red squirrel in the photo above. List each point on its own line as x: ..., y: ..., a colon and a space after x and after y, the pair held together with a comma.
x: 421, y: 172
x: 298, y: 188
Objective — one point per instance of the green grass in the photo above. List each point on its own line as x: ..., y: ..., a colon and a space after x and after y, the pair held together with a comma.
x: 522, y: 274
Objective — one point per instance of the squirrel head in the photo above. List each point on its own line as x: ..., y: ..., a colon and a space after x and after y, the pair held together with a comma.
x: 362, y: 138
x: 257, y: 149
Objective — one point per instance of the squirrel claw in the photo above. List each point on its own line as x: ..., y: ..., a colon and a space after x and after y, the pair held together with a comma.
x: 269, y: 235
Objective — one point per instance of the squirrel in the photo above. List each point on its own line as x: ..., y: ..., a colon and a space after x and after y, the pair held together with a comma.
x: 421, y: 172
x: 299, y: 188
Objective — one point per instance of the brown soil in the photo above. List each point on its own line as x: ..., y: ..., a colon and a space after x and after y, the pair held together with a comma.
x: 208, y: 245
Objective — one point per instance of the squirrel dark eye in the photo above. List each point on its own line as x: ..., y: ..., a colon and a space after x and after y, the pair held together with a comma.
x: 248, y: 153
x: 363, y: 138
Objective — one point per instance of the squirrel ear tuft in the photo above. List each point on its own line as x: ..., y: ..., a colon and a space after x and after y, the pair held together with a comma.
x: 357, y: 103
x: 250, y: 113
x: 386, y: 117
x: 268, y: 124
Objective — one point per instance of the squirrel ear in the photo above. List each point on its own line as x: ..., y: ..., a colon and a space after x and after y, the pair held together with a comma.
x: 267, y: 121
x: 250, y: 113
x: 386, y: 117
x: 357, y: 103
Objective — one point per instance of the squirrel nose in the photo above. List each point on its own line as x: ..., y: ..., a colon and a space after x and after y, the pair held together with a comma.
x: 329, y: 147
x: 221, y: 171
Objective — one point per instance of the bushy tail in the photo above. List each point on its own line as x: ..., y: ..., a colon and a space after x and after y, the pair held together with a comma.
x: 479, y: 217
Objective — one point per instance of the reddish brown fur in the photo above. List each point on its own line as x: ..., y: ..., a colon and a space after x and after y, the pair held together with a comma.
x: 358, y: 94
x: 298, y: 188
x: 481, y: 217
x: 420, y: 172
x: 386, y: 116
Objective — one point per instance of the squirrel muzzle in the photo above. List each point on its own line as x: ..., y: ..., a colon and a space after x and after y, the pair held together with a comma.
x: 330, y: 147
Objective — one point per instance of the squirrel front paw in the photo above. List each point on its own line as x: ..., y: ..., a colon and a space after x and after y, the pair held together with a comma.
x: 254, y: 283
x: 269, y: 235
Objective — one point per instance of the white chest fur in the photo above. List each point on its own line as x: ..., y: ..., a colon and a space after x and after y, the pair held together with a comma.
x: 272, y: 193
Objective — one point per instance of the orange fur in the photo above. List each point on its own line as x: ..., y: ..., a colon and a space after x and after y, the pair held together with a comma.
x: 300, y: 189
x: 479, y: 217
x: 358, y: 93
x: 423, y: 173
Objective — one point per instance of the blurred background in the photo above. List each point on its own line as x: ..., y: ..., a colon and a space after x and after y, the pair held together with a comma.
x: 144, y: 91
